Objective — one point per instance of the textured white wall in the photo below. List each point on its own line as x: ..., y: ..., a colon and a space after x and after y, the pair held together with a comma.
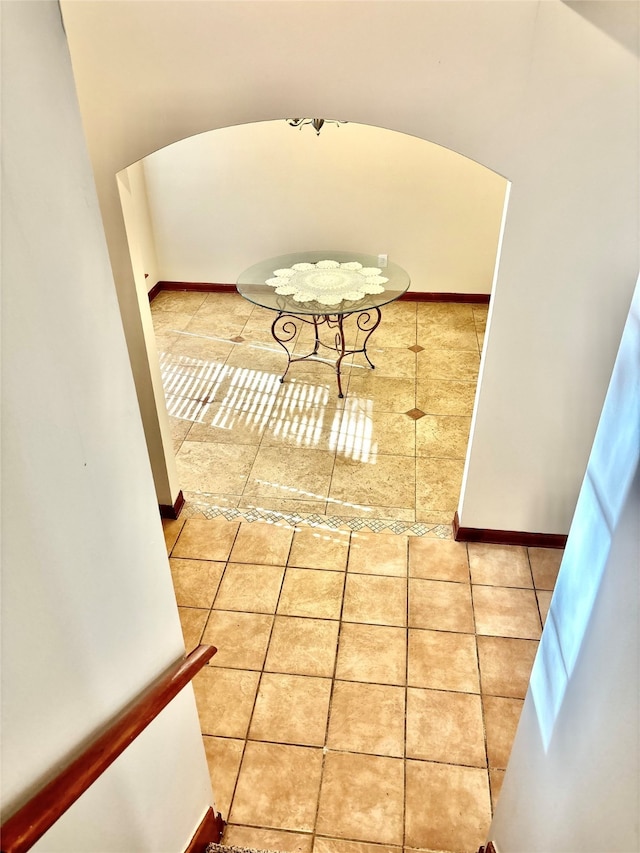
x: 89, y: 617
x: 572, y: 782
x: 223, y: 199
x: 533, y: 90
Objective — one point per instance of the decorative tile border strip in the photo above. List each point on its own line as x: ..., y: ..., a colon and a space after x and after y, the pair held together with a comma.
x: 296, y: 519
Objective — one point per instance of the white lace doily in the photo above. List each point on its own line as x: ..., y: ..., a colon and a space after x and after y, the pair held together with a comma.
x: 327, y: 282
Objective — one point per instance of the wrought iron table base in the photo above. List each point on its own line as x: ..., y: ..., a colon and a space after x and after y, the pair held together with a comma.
x: 286, y: 326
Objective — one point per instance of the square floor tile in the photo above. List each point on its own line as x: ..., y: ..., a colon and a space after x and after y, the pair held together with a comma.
x: 171, y: 530
x: 224, y: 755
x: 438, y: 559
x: 505, y: 665
x: 241, y: 638
x: 379, y: 554
x: 278, y: 786
x: 503, y: 612
x: 311, y: 592
x: 297, y: 472
x: 438, y: 483
x: 446, y: 727
x: 447, y: 364
x: 362, y: 798
x: 496, y: 778
x: 230, y: 421
x: 385, y: 481
x: 499, y: 565
x: 544, y: 602
x: 301, y: 646
x: 501, y: 717
x: 206, y: 539
x: 445, y: 397
x: 375, y: 599
x: 443, y: 661
x: 440, y: 605
x: 291, y: 709
x: 225, y: 700
x: 372, y: 653
x: 448, y: 806
x: 319, y: 548
x: 545, y: 565
x: 367, y: 718
x: 207, y: 466
x: 249, y: 587
x: 337, y: 845
x: 195, y: 582
x: 253, y: 838
x: 363, y: 436
x: 262, y: 543
x: 384, y: 394
x: 192, y: 621
x: 443, y: 436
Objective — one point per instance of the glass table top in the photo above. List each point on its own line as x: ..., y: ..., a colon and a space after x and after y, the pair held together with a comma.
x: 251, y: 283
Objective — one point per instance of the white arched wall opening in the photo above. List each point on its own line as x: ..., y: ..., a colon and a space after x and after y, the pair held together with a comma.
x: 534, y: 91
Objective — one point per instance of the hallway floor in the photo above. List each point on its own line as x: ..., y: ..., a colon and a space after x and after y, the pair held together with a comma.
x: 371, y: 671
x: 367, y: 686
x: 391, y: 451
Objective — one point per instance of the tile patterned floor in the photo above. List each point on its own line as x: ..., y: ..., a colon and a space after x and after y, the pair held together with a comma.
x: 388, y: 456
x: 367, y: 686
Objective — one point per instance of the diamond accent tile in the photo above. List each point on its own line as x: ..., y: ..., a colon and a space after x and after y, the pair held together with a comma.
x: 238, y: 339
x: 416, y: 348
x: 415, y: 414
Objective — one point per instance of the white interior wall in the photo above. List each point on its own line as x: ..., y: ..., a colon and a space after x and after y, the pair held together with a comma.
x: 533, y: 90
x: 139, y: 226
x: 89, y: 618
x: 222, y: 200
x: 572, y: 782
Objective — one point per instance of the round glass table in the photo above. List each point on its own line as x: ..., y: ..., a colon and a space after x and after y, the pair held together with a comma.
x: 323, y: 289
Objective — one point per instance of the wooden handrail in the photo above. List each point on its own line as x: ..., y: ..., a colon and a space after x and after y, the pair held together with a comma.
x: 21, y: 831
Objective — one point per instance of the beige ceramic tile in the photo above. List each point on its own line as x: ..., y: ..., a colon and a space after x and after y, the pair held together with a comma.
x: 438, y: 559
x: 445, y: 397
x: 363, y: 436
x: 375, y: 599
x: 192, y: 620
x: 372, y: 653
x: 231, y: 422
x: 195, y: 582
x: 225, y: 700
x: 168, y: 322
x: 545, y: 564
x: 503, y: 612
x: 311, y: 592
x: 397, y: 362
x: 480, y: 313
x: 336, y: 845
x: 439, y: 517
x: 393, y: 331
x: 496, y: 778
x: 171, y: 529
x: 390, y: 513
x: 266, y: 358
x: 499, y: 565
x: 215, y: 325
x: 283, y: 506
x: 446, y: 314
x: 299, y: 473
x: 362, y: 798
x: 206, y: 539
x: 501, y: 718
x: 544, y: 601
x: 378, y: 554
x: 446, y: 727
x: 208, y: 350
x: 223, y: 757
x: 386, y: 481
x: 172, y: 300
x: 443, y: 436
x: 319, y: 548
x: 291, y: 709
x: 287, y: 779
x: 241, y: 638
x: 367, y: 718
x: 246, y: 586
x: 302, y: 646
x: 372, y: 394
x: 250, y: 837
x: 205, y: 466
x: 440, y: 606
x: 226, y: 304
x: 316, y: 428
x: 438, y: 484
x: 449, y: 364
x: 262, y: 543
x: 443, y: 661
x: 505, y: 665
x: 448, y: 806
